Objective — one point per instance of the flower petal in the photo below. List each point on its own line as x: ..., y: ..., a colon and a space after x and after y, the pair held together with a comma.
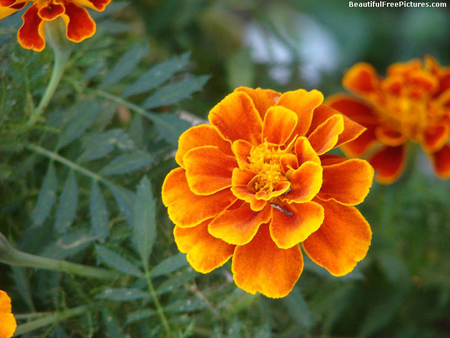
x: 305, y: 151
x: 51, y: 11
x: 185, y: 208
x: 278, y: 190
x: 79, y: 23
x: 305, y: 183
x: 239, y: 226
x: 202, y: 135
x: 8, y: 323
x: 293, y: 223
x: 403, y: 68
x: 355, y: 109
x: 204, y: 252
x: 347, y: 182
x: 435, y: 137
x: 441, y: 162
x: 32, y: 35
x: 362, y: 144
x: 342, y: 240
x: 279, y: 123
x: 236, y: 118
x: 208, y: 169
x: 389, y: 136
x: 241, y: 150
x: 262, y: 98
x: 361, y: 79
x: 260, y: 266
x: 98, y: 5
x: 241, y: 189
x: 389, y: 163
x: 325, y: 137
x: 303, y: 104
x: 7, y: 11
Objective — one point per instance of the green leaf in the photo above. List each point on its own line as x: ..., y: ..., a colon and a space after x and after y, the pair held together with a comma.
x: 112, y: 324
x: 122, y: 294
x: 125, y: 65
x: 176, y: 281
x: 126, y: 163
x: 158, y: 75
x: 169, y: 265
x: 70, y: 244
x: 117, y: 262
x: 235, y: 329
x: 23, y: 285
x: 47, y: 197
x: 299, y: 309
x: 68, y: 202
x: 175, y: 92
x: 140, y: 315
x: 182, y: 305
x: 125, y: 199
x: 87, y: 113
x: 264, y: 331
x: 99, y: 213
x: 144, y: 220
x: 170, y: 126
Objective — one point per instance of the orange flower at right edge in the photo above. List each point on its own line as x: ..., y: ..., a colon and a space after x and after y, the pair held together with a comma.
x: 257, y: 182
x: 7, y: 321
x: 410, y: 104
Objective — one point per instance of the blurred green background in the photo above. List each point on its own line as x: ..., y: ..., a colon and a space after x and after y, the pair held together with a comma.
x: 401, y: 289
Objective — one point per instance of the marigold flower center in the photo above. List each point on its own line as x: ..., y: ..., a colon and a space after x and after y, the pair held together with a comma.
x: 265, y: 163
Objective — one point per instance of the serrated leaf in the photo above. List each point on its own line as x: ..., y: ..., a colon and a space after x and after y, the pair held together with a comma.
x: 112, y: 324
x: 126, y: 163
x: 125, y: 65
x: 140, y: 315
x: 144, y: 219
x: 68, y: 202
x: 299, y: 309
x: 122, y: 294
x: 47, y: 197
x: 175, y: 92
x: 125, y: 199
x: 169, y: 265
x: 70, y: 244
x: 175, y: 281
x: 170, y: 126
x: 87, y: 113
x: 117, y: 262
x: 157, y: 75
x: 99, y: 213
x: 185, y: 306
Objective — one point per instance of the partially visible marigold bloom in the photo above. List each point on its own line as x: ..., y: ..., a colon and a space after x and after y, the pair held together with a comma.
x: 410, y: 104
x: 7, y: 321
x: 79, y: 24
x: 257, y: 182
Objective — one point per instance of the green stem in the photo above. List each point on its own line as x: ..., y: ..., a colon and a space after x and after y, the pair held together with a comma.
x: 157, y: 303
x: 61, y: 58
x: 11, y: 256
x: 51, y: 319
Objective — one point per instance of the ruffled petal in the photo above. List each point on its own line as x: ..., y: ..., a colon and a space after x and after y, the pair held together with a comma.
x: 347, y: 182
x: 325, y: 137
x: 441, y: 162
x: 279, y: 190
x: 435, y: 138
x: 403, y: 68
x: 7, y: 11
x: 208, y: 169
x: 236, y: 118
x: 342, y: 240
x: 260, y: 266
x: 241, y: 189
x: 355, y: 109
x: 288, y: 162
x: 305, y: 152
x: 389, y: 163
x: 198, y: 136
x: 241, y: 150
x: 239, y: 226
x: 389, y: 136
x: 362, y: 144
x: 305, y: 183
x: 279, y: 123
x: 293, y: 223
x: 204, y: 252
x: 361, y: 79
x: 98, y: 5
x: 51, y: 11
x: 79, y: 23
x: 185, y: 208
x: 262, y: 98
x: 352, y: 129
x: 303, y: 104
x: 8, y: 322
x: 32, y: 33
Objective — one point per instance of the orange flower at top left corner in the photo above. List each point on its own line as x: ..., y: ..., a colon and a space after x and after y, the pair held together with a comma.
x: 8, y: 323
x: 79, y: 24
x: 257, y: 182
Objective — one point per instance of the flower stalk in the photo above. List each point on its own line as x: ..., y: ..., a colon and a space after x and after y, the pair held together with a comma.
x: 12, y: 256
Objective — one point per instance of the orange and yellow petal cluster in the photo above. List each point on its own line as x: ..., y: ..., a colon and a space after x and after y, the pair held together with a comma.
x: 257, y: 181
x: 79, y: 24
x: 410, y: 104
x: 7, y: 321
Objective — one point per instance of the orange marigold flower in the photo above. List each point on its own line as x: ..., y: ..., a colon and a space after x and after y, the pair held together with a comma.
x: 7, y: 321
x: 257, y: 182
x: 79, y: 24
x: 410, y: 104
